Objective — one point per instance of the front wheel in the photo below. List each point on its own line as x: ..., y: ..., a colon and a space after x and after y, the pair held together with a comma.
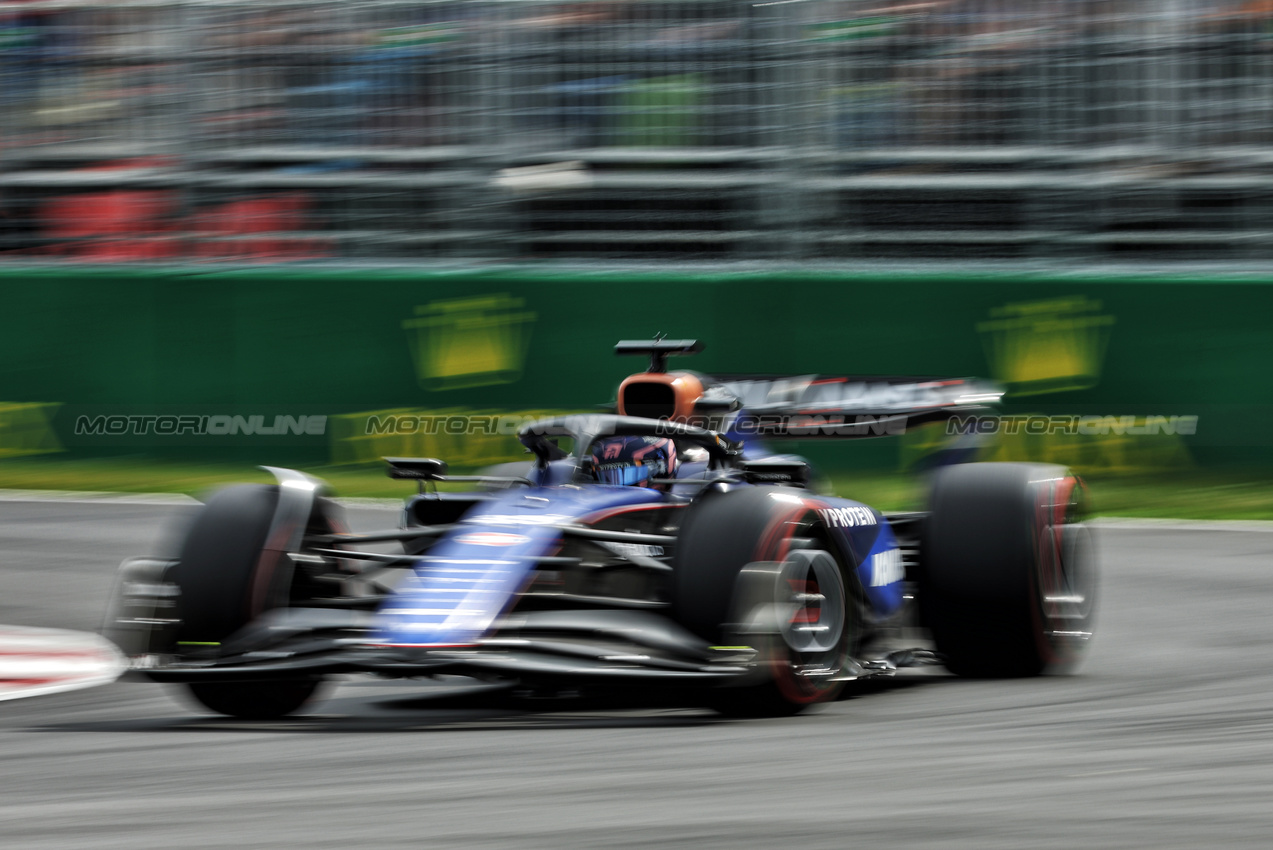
x: 254, y: 700
x: 228, y: 574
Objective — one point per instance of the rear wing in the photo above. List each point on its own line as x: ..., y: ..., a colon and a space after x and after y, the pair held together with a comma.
x: 658, y: 350
x: 797, y: 406
x: 822, y: 406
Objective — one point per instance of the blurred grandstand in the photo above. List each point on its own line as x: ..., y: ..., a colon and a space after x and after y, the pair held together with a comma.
x: 721, y: 130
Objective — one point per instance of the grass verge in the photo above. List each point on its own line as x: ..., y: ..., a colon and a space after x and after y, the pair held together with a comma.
x: 1190, y: 494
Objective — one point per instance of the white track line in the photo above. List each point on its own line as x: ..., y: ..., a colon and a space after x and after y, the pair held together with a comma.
x: 47, y: 661
x: 1116, y: 523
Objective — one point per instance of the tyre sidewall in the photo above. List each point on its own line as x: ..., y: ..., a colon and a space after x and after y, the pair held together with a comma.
x: 985, y: 550
x: 721, y: 536
x: 224, y: 571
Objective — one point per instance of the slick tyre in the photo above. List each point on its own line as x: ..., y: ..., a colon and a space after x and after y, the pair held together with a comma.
x: 254, y: 700
x: 222, y: 569
x: 758, y: 571
x: 1008, y: 576
x: 227, y: 577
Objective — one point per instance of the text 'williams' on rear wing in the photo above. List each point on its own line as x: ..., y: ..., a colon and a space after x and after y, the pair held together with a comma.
x: 817, y: 406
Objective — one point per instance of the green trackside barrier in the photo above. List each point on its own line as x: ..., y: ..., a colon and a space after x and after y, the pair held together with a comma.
x: 277, y: 365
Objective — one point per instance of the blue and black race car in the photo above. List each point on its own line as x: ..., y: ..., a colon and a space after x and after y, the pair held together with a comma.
x: 664, y: 546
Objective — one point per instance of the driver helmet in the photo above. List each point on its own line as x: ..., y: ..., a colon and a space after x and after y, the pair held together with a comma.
x: 633, y: 460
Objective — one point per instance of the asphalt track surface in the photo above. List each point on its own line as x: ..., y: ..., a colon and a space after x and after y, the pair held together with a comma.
x: 1164, y: 739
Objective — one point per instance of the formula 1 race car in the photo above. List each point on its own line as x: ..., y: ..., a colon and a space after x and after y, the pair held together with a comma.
x: 666, y: 547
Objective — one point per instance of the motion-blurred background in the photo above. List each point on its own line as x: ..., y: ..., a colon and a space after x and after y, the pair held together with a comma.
x: 340, y: 209
x: 693, y: 129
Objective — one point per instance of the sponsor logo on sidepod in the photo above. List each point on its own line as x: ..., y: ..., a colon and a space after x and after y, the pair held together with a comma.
x: 492, y: 538
x: 887, y: 568
x: 851, y: 517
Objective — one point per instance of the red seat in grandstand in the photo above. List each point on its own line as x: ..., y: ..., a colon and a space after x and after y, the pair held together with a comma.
x: 258, y: 229
x: 109, y: 227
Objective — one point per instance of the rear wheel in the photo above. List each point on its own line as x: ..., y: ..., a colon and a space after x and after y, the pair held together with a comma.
x: 229, y: 573
x: 757, y: 571
x: 1008, y: 574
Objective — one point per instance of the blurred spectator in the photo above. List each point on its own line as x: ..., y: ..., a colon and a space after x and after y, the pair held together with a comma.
x: 865, y: 45
x: 272, y: 112
x: 16, y: 226
x: 973, y: 80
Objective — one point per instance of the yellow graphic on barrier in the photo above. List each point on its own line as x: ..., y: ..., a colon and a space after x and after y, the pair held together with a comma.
x: 1119, y: 450
x: 469, y: 342
x: 25, y: 429
x: 465, y: 439
x: 1047, y: 346
x: 919, y: 445
x: 1122, y: 445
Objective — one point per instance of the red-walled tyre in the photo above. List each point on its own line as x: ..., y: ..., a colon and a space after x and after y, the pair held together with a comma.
x: 228, y: 577
x: 753, y: 567
x: 1008, y: 577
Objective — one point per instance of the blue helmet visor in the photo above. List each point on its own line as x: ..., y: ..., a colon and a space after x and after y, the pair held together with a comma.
x: 626, y: 475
